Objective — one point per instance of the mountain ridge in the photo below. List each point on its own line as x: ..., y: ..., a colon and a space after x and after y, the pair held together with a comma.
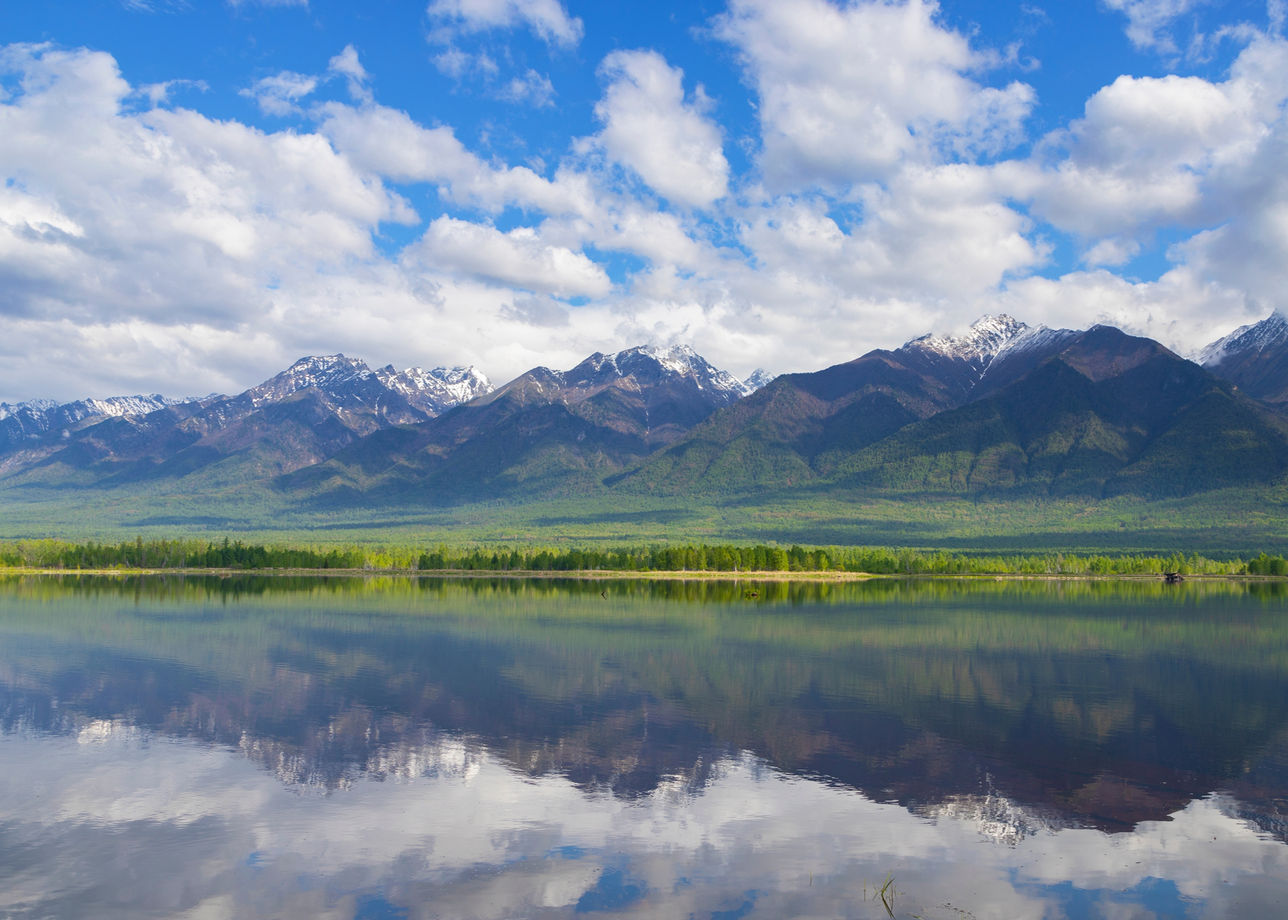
x: 1001, y: 409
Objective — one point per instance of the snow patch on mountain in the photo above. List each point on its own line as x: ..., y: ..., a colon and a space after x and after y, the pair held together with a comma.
x: 325, y: 372
x: 683, y: 361
x: 431, y: 391
x: 35, y: 418
x: 759, y: 378
x: 29, y: 407
x: 653, y: 363
x: 1251, y: 339
x: 985, y: 338
x: 69, y: 413
x: 436, y: 390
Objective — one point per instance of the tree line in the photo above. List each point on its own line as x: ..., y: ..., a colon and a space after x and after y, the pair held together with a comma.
x: 241, y: 555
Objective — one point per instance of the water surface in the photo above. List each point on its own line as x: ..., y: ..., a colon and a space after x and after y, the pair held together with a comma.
x: 266, y: 747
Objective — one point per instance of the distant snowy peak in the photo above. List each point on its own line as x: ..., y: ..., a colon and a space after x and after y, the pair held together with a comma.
x: 436, y: 390
x: 982, y: 342
x: 127, y: 405
x: 25, y: 420
x: 350, y: 379
x: 652, y: 364
x: 29, y: 407
x: 86, y: 408
x: 1252, y: 339
x: 325, y: 372
x: 759, y: 378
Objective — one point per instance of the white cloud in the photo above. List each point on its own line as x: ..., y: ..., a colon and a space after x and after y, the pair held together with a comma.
x: 847, y: 93
x: 938, y: 235
x: 1149, y: 21
x: 519, y: 258
x: 546, y: 18
x: 347, y: 65
x: 281, y: 93
x: 389, y: 143
x: 457, y: 64
x: 162, y: 230
x: 1154, y: 153
x: 1147, y: 148
x: 1180, y: 309
x: 648, y: 126
x: 531, y: 88
x: 116, y: 218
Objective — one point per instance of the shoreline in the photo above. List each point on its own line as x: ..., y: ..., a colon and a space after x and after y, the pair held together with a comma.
x: 606, y: 575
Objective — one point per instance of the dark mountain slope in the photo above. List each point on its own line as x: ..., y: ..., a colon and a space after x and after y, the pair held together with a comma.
x: 801, y: 426
x: 1110, y: 414
x: 546, y: 432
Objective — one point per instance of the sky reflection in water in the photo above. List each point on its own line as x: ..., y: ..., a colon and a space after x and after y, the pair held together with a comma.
x: 496, y: 750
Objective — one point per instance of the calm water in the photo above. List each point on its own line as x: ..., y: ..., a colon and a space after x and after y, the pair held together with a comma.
x: 390, y: 748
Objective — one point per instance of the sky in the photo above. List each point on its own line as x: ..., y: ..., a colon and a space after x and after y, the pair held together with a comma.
x: 196, y: 194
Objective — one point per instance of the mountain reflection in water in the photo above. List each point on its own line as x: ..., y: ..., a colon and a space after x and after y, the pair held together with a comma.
x: 1019, y: 713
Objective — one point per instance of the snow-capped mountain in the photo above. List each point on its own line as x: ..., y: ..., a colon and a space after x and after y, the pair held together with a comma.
x: 1254, y: 358
x: 1255, y: 338
x: 759, y: 377
x: 435, y: 391
x: 650, y: 364
x: 329, y: 373
x: 27, y: 421
x: 982, y: 342
x: 340, y: 377
x: 545, y: 431
x: 295, y: 418
x: 993, y: 352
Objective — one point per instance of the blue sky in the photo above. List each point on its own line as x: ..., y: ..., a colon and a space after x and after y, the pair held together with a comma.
x: 196, y: 194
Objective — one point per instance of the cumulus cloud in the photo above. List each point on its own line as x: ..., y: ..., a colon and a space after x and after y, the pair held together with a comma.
x: 886, y: 197
x: 114, y: 216
x: 548, y: 19
x: 1147, y: 147
x: 519, y: 258
x: 389, y: 143
x: 847, y: 93
x: 933, y: 233
x: 1166, y: 153
x: 649, y: 127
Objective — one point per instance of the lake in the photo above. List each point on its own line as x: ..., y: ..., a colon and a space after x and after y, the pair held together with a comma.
x: 380, y: 748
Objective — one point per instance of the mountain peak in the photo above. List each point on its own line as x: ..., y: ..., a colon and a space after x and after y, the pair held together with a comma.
x: 436, y: 390
x: 987, y: 336
x: 321, y: 371
x: 759, y: 378
x: 1251, y: 339
x: 653, y: 363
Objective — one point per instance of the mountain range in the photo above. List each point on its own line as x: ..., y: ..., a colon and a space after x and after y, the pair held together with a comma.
x: 1004, y: 409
